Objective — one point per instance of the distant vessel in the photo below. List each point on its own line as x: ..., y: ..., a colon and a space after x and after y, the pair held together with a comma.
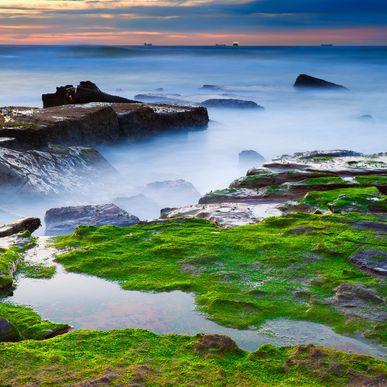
x: 235, y: 44
x: 326, y: 45
x: 148, y: 44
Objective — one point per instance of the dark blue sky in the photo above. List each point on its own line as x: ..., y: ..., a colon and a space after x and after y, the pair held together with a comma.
x: 194, y: 21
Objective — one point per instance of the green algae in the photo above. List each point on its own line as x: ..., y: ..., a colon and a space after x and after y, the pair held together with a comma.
x: 241, y: 276
x: 138, y: 357
x: 347, y: 199
x: 27, y: 324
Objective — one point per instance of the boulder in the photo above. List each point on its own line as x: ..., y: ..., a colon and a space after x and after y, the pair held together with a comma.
x: 307, y: 81
x: 250, y: 158
x: 19, y: 226
x: 141, y: 205
x: 54, y: 171
x: 214, y: 344
x: 65, y: 219
x: 230, y: 103
x: 172, y: 193
x: 371, y: 260
x: 85, y: 92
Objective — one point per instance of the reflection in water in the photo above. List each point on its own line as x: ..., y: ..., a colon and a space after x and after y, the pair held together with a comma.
x: 93, y: 303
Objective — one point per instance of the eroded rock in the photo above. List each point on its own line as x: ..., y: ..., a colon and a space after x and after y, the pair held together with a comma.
x: 55, y: 171
x: 85, y: 92
x: 215, y: 344
x: 65, y: 219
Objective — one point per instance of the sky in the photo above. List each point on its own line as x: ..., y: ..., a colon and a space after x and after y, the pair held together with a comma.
x: 194, y: 22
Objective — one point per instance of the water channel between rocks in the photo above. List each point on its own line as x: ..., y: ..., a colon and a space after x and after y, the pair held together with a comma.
x: 87, y: 302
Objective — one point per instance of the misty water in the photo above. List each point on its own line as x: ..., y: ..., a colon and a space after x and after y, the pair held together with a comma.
x: 292, y: 120
x: 93, y: 303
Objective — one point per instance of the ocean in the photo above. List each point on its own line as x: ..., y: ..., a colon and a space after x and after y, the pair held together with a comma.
x: 292, y: 120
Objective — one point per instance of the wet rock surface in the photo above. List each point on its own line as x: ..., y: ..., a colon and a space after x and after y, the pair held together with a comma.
x: 54, y: 171
x: 307, y: 81
x: 66, y: 219
x: 19, y: 226
x: 85, y: 92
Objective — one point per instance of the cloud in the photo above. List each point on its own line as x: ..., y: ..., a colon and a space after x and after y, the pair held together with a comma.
x: 176, y: 19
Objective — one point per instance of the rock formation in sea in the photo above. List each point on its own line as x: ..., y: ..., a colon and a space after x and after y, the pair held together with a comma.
x: 85, y: 92
x: 230, y: 103
x: 307, y: 81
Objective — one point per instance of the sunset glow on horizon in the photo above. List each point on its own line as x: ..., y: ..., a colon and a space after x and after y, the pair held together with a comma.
x: 193, y: 22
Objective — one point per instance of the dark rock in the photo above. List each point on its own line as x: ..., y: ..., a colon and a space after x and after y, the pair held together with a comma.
x: 7, y: 331
x: 19, y: 226
x: 370, y: 260
x: 211, y: 87
x: 56, y: 171
x: 250, y: 158
x: 141, y: 205
x: 170, y: 193
x: 230, y: 103
x: 215, y: 344
x: 307, y: 81
x: 95, y: 124
x: 66, y: 219
x: 85, y: 92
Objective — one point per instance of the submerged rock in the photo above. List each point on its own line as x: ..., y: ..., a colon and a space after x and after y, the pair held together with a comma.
x: 55, y: 171
x: 172, y: 192
x: 230, y: 103
x: 150, y: 97
x: 85, y: 92
x: 19, y: 226
x: 211, y: 87
x: 371, y: 260
x: 307, y: 81
x: 65, y: 219
x: 141, y: 205
x: 249, y: 158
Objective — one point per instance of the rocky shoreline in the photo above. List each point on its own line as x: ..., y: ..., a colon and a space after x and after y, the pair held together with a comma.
x: 300, y: 237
